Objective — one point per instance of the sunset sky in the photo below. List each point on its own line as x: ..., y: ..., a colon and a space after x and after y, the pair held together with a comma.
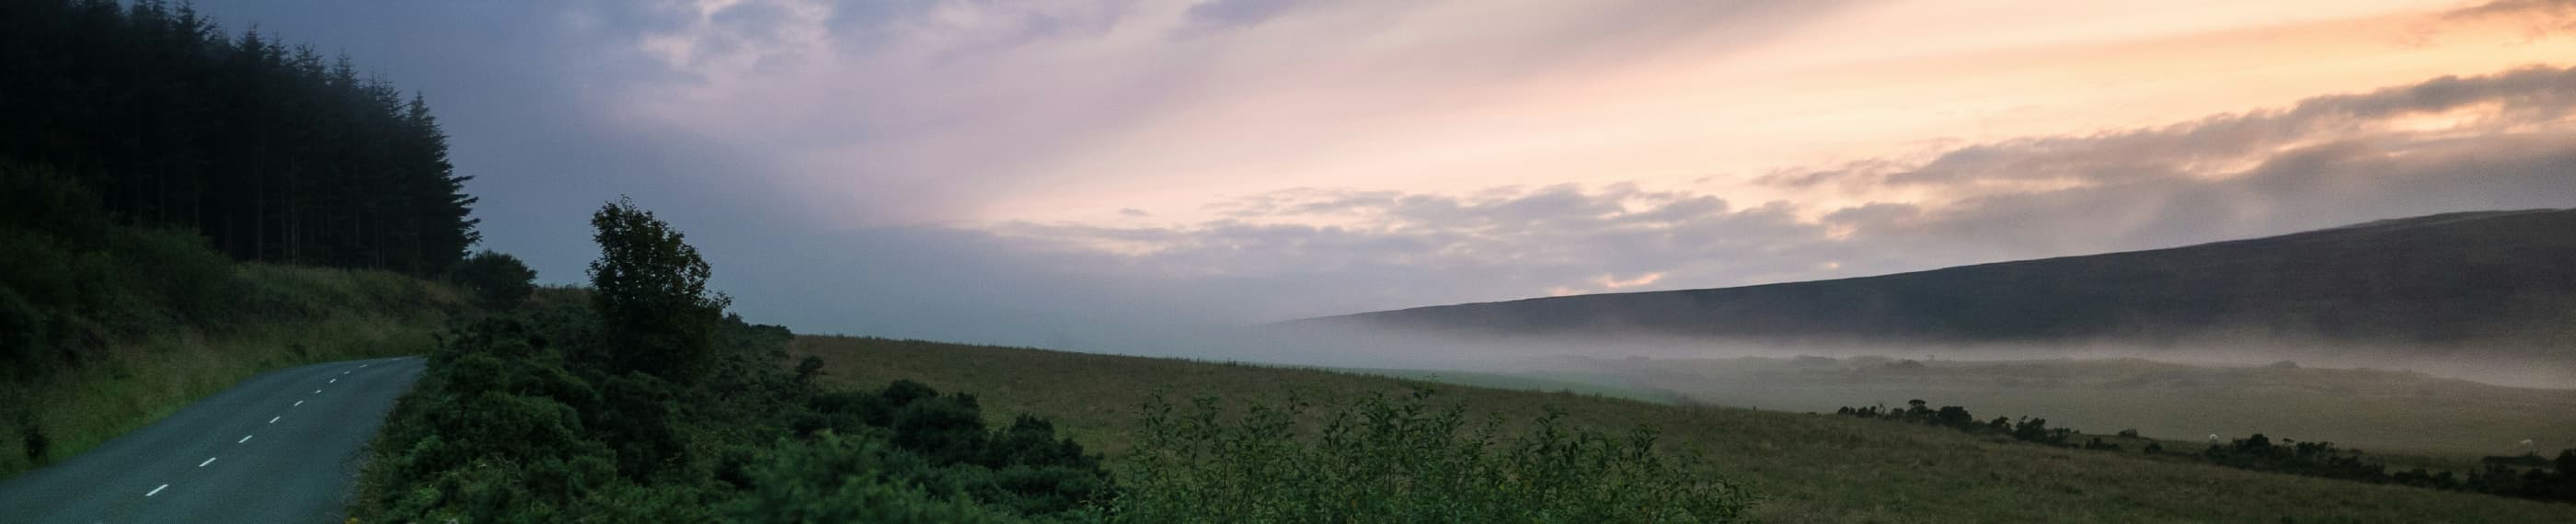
x: 1055, y: 172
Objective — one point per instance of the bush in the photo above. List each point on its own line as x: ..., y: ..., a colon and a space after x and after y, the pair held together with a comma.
x: 32, y: 438
x: 1382, y: 459
x: 838, y: 479
x: 496, y: 280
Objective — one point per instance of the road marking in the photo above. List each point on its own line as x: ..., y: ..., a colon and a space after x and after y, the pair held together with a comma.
x: 209, y: 460
x: 362, y: 365
x: 156, y: 491
x: 332, y: 380
x: 245, y: 438
x: 298, y: 403
x: 273, y: 420
x: 317, y: 391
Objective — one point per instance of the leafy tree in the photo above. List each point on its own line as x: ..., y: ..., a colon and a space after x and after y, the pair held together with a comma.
x: 649, y: 289
x: 497, y: 280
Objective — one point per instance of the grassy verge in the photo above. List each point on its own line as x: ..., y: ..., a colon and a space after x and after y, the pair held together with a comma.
x: 313, y: 315
x: 1811, y: 468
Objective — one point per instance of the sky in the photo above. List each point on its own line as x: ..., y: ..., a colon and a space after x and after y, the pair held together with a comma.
x: 1071, y: 173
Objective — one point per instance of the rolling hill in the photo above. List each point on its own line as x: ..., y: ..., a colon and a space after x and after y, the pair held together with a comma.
x: 1807, y: 467
x: 2497, y: 282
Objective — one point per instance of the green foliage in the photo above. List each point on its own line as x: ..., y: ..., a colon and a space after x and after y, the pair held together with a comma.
x: 74, y: 281
x: 839, y: 479
x: 497, y: 280
x: 649, y: 288
x: 1381, y: 459
x: 32, y: 437
x: 645, y: 403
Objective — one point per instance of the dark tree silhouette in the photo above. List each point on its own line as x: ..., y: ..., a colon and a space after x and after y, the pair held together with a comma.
x: 274, y: 153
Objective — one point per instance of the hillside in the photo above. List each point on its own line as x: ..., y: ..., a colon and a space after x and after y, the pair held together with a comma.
x: 2499, y: 281
x: 1811, y: 468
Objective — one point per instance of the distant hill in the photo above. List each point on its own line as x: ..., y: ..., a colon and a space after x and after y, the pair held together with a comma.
x: 2499, y: 280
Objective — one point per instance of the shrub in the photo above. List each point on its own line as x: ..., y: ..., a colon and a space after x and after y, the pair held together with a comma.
x: 1381, y: 459
x: 496, y: 280
x: 838, y: 479
x: 32, y: 438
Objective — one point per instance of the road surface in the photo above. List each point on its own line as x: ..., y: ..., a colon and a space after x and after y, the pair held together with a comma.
x: 282, y: 446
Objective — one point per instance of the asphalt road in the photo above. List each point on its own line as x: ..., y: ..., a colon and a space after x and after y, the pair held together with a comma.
x: 282, y: 446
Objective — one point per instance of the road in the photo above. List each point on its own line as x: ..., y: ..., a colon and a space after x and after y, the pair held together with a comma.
x: 283, y: 446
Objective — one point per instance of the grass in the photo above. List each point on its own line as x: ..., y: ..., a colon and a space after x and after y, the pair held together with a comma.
x: 1580, y: 384
x: 2378, y: 411
x: 313, y: 315
x: 1810, y: 468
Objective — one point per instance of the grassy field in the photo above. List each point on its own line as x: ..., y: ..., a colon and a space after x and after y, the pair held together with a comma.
x: 2383, y: 412
x: 315, y: 315
x: 1812, y: 468
x: 1575, y: 383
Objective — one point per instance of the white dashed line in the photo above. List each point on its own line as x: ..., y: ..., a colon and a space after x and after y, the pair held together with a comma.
x: 245, y: 438
x: 273, y: 420
x: 299, y: 403
x: 317, y: 391
x: 156, y: 491
x: 332, y: 381
x: 209, y: 460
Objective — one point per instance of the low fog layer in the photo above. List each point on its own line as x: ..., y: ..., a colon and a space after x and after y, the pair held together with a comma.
x: 1362, y: 347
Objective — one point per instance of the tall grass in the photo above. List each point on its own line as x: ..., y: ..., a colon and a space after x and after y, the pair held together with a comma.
x: 1382, y: 458
x: 282, y: 316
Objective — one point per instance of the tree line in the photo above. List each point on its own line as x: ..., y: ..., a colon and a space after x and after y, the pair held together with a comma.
x: 273, y: 152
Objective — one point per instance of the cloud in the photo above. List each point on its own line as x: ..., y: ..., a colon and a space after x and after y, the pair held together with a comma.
x: 838, y: 160
x: 2222, y: 144
x: 2548, y: 14
x: 919, y: 113
x: 2500, y: 141
x: 1226, y: 13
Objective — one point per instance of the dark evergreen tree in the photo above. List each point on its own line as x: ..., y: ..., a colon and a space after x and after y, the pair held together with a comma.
x: 272, y: 152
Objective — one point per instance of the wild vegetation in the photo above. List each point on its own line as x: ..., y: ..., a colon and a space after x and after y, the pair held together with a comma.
x: 1382, y: 458
x: 106, y: 326
x: 1806, y: 467
x: 2530, y: 476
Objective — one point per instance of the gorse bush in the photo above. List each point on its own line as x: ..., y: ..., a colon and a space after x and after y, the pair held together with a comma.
x: 836, y: 479
x: 1382, y: 459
